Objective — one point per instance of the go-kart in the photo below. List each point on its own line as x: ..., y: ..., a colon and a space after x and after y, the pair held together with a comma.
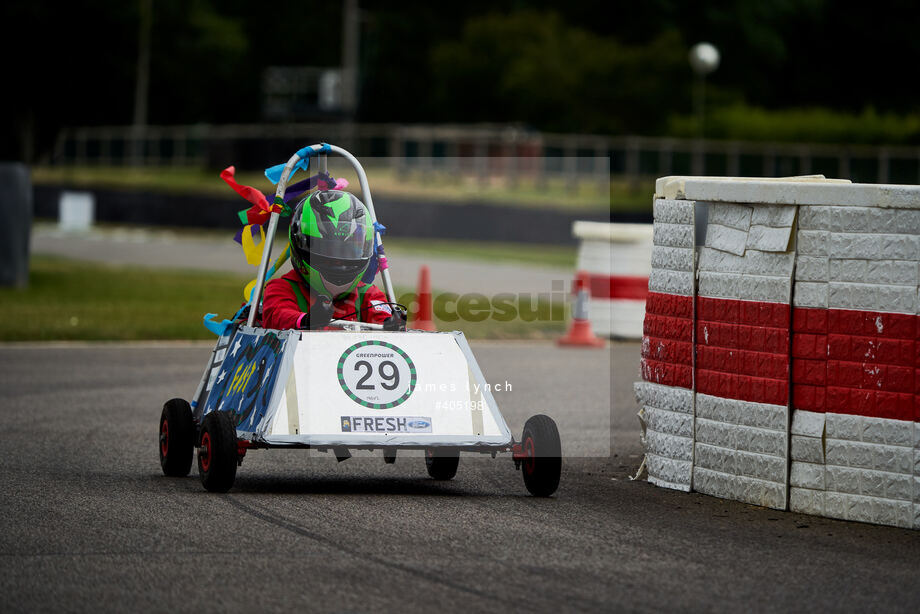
x: 357, y: 387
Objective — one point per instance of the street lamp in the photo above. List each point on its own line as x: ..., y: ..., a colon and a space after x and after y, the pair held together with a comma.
x: 704, y: 58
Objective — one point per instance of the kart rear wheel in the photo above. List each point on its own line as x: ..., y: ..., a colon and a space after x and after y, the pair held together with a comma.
x: 543, y: 465
x: 177, y: 438
x: 217, y: 452
x: 442, y: 462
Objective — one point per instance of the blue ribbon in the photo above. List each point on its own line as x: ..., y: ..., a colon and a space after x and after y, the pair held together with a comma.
x: 218, y: 328
x: 371, y: 271
x: 274, y: 173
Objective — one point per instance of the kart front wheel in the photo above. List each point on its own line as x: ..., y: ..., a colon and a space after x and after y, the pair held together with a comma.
x: 542, y: 465
x: 442, y: 462
x: 217, y: 452
x: 177, y: 438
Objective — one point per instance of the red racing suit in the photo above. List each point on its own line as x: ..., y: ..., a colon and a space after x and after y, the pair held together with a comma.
x: 288, y: 300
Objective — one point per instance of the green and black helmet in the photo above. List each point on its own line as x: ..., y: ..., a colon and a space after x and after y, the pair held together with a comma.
x: 332, y: 240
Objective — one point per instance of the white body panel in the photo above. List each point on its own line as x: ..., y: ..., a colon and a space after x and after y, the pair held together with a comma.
x: 357, y: 389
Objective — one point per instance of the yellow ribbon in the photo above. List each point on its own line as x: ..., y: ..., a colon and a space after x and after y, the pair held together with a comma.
x: 251, y: 249
x: 282, y: 258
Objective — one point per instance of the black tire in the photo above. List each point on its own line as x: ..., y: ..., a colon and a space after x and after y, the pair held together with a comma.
x: 177, y: 438
x: 542, y: 470
x: 217, y: 452
x: 442, y: 462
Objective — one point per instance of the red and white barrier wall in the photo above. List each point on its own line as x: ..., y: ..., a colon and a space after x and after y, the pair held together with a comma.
x: 666, y: 392
x: 742, y: 353
x: 856, y: 365
x: 803, y: 389
x: 615, y: 259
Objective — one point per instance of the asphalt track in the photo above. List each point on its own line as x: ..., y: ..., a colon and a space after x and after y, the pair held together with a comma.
x: 89, y: 522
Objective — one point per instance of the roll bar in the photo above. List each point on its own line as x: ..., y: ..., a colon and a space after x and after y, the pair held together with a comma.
x: 319, y: 151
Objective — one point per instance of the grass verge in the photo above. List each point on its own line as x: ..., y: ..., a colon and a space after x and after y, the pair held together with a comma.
x: 556, y: 193
x: 77, y: 301
x: 73, y: 300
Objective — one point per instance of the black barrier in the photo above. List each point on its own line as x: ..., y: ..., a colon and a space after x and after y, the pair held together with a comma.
x: 16, y: 213
x: 404, y: 217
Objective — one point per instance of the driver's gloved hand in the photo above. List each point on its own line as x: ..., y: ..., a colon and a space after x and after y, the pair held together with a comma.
x: 320, y: 314
x: 397, y: 321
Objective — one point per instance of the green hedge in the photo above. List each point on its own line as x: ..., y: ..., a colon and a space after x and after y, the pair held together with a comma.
x: 810, y: 125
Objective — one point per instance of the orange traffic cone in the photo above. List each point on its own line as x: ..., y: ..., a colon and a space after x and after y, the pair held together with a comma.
x: 580, y: 333
x: 423, y: 318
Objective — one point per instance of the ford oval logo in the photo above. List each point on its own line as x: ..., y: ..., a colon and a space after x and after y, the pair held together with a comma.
x: 419, y: 424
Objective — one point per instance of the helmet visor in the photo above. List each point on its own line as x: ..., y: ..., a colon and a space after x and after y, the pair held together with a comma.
x: 337, y: 271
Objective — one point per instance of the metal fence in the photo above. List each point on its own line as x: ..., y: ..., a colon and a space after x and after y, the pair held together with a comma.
x: 634, y: 158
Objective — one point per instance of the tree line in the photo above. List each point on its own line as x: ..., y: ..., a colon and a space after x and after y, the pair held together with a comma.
x: 609, y: 67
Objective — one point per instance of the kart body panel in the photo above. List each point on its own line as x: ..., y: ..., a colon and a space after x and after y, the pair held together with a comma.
x: 361, y: 389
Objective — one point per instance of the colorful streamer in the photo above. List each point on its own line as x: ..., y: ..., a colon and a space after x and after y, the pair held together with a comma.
x: 251, y: 249
x: 218, y: 328
x: 251, y: 236
x: 274, y: 173
x: 279, y: 262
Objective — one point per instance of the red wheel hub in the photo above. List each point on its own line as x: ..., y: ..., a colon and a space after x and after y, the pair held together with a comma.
x: 164, y: 438
x: 204, y: 455
x: 529, y: 456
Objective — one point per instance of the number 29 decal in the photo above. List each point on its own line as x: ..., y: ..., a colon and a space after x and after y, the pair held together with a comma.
x: 376, y: 374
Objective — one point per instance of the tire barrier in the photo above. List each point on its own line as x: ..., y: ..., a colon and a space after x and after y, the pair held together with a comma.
x: 16, y: 211
x: 781, y: 366
x: 614, y: 258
